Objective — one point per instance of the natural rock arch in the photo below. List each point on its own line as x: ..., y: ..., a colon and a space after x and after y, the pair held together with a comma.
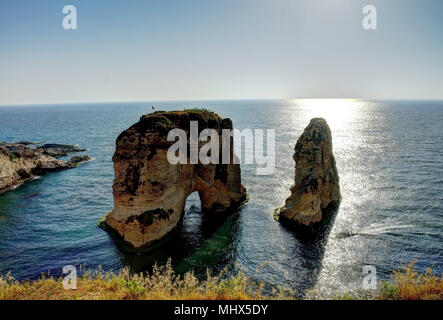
x: 150, y: 193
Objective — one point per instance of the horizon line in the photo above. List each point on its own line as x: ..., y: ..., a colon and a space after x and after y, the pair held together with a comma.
x: 215, y: 99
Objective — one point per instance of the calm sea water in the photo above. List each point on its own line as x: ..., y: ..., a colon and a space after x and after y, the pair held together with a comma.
x: 389, y: 157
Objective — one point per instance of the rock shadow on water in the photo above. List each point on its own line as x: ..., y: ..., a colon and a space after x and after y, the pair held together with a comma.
x: 311, y: 243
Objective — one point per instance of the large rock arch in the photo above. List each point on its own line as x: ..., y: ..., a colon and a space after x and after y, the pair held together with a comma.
x: 150, y: 193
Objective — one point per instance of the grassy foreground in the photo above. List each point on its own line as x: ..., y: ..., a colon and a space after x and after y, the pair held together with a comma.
x: 163, y: 283
x: 408, y: 284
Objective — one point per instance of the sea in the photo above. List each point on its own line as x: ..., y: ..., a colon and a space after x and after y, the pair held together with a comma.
x: 389, y: 156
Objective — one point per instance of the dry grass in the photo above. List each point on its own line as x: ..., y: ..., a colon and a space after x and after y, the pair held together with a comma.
x: 161, y: 284
x: 408, y: 284
x: 164, y: 284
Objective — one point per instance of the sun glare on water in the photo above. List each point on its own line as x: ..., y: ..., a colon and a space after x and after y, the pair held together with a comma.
x: 337, y: 112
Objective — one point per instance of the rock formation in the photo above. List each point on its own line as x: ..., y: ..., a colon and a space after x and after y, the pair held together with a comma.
x: 316, y: 188
x: 19, y: 162
x: 150, y: 193
x: 59, y: 150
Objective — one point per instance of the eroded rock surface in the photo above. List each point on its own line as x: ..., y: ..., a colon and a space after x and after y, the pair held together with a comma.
x: 19, y: 162
x: 150, y: 193
x: 316, y: 188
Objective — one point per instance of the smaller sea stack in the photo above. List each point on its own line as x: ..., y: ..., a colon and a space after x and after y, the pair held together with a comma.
x: 316, y: 191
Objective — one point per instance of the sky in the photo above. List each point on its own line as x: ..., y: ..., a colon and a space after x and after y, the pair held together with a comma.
x: 151, y: 50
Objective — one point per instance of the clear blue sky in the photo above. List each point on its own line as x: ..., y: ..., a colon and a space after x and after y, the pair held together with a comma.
x: 219, y: 49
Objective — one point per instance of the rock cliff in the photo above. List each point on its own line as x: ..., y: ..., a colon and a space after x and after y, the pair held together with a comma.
x: 150, y: 193
x: 316, y: 188
x: 19, y: 162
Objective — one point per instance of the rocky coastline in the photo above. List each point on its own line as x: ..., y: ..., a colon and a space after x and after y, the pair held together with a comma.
x: 24, y: 160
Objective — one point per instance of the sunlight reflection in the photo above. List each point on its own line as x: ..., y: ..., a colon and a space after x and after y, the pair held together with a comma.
x: 337, y: 112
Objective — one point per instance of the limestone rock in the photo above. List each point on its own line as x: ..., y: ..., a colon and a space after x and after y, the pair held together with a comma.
x: 316, y: 188
x: 20, y: 163
x: 59, y: 150
x: 150, y: 193
x: 77, y: 160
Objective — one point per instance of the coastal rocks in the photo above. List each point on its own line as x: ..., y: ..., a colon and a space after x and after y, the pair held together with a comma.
x: 19, y: 162
x: 316, y: 190
x: 59, y: 150
x: 50, y: 149
x: 76, y: 161
x: 150, y: 193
